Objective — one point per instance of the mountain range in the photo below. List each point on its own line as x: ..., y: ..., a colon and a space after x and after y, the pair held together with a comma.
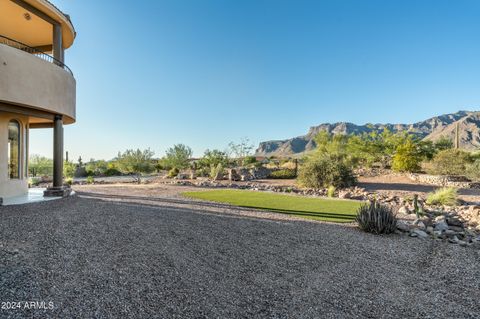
x: 431, y: 129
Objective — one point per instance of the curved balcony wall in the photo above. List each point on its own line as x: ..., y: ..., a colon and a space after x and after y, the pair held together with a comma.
x: 28, y: 81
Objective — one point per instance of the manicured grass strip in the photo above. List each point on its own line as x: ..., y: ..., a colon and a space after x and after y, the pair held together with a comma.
x: 332, y: 210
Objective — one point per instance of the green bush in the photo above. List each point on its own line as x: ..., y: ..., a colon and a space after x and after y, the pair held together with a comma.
x: 473, y: 170
x: 177, y: 156
x: 407, y: 158
x: 40, y: 166
x: 173, y: 172
x: 444, y: 196
x: 34, y: 181
x: 96, y: 168
x: 450, y: 162
x: 282, y: 174
x: 135, y: 163
x: 443, y: 143
x: 90, y: 180
x: 324, y: 171
x: 376, y: 218
x: 69, y: 181
x: 112, y: 172
x: 331, y: 191
x: 69, y: 169
x: 212, y: 158
x: 216, y: 171
x: 247, y: 160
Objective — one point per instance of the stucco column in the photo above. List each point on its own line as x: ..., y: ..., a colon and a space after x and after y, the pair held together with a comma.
x: 58, y: 43
x: 58, y: 151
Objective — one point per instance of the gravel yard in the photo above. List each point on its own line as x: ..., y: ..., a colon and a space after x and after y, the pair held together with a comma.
x: 123, y: 251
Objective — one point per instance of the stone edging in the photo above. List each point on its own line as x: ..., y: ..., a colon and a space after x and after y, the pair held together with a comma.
x: 444, y: 180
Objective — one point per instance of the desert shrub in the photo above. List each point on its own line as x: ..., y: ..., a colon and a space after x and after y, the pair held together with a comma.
x: 96, y: 168
x: 331, y: 191
x: 69, y: 181
x: 90, y: 180
x: 450, y: 162
x: 135, y: 163
x: 80, y: 171
x: 282, y: 174
x: 173, y: 172
x: 177, y: 156
x: 202, y: 172
x: 69, y: 169
x: 443, y: 143
x: 216, y: 171
x: 212, y: 158
x: 475, y: 156
x: 472, y: 170
x: 34, y: 181
x: 407, y: 158
x: 40, y: 166
x: 247, y: 160
x: 444, y: 196
x: 376, y: 218
x: 323, y: 171
x: 112, y: 172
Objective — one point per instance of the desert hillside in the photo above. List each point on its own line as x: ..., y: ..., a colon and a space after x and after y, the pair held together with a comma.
x: 431, y: 129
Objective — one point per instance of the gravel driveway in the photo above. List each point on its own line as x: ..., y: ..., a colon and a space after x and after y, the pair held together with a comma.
x: 152, y: 254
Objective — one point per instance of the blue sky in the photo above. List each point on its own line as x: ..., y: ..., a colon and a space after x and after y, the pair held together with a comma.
x: 207, y: 72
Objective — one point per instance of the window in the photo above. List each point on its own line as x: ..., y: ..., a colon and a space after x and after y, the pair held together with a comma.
x: 14, y: 149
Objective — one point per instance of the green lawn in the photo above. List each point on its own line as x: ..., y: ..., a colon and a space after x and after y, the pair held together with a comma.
x: 332, y: 210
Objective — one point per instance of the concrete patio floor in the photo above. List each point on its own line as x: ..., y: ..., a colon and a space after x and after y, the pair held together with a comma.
x: 34, y: 195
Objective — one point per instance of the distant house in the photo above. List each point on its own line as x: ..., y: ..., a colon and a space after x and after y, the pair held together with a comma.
x: 37, y: 90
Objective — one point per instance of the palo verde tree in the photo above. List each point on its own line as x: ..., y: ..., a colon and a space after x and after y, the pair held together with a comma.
x: 212, y: 158
x: 135, y: 163
x: 241, y: 150
x: 177, y: 157
x: 408, y: 157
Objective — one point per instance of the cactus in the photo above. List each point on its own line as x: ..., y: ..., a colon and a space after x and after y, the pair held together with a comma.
x: 376, y: 218
x: 457, y: 136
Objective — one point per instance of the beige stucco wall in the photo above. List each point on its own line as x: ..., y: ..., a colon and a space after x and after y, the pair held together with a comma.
x: 27, y: 80
x: 12, y: 187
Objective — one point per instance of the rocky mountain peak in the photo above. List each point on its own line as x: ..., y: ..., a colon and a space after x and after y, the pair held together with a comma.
x: 431, y: 129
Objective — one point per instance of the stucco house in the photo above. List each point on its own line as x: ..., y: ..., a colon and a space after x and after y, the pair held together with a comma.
x: 37, y: 89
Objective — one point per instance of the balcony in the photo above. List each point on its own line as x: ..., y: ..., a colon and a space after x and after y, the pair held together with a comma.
x: 42, y: 55
x: 36, y: 82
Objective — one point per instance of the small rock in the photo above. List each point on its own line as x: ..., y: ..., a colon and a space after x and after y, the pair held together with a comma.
x: 419, y: 233
x: 452, y: 221
x: 450, y: 233
x: 462, y: 243
x: 421, y: 225
x: 430, y: 230
x: 437, y: 234
x: 403, y: 226
x: 456, y: 228
x: 441, y: 226
x: 403, y: 210
x: 440, y: 218
x: 453, y: 240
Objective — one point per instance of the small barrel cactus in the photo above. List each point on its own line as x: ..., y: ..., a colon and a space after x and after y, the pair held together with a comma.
x: 376, y: 218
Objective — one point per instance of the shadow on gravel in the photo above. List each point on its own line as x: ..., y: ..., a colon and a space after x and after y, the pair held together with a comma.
x: 159, y: 200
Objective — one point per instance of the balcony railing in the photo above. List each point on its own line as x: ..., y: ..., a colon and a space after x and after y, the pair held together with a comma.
x: 36, y: 52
